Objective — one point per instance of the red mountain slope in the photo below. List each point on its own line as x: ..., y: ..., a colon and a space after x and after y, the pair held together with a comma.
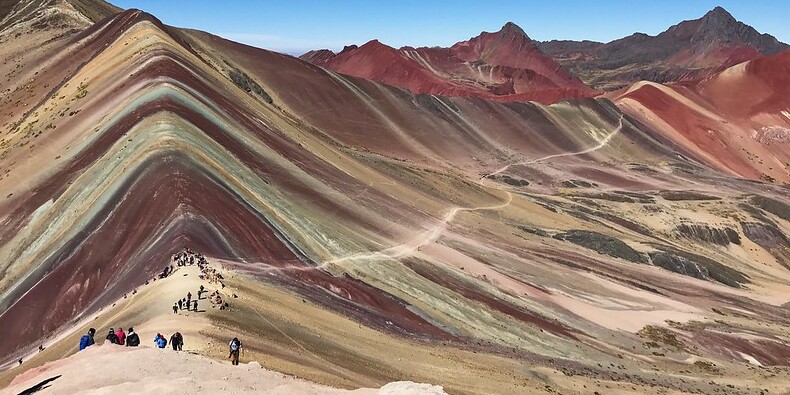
x: 737, y: 120
x: 504, y: 66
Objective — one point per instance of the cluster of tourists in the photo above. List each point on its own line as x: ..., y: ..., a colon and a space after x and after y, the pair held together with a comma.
x: 131, y: 339
x: 119, y: 337
x: 189, y: 257
x: 186, y: 303
x: 176, y: 341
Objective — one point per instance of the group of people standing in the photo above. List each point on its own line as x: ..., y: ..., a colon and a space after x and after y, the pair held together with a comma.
x: 131, y: 339
x: 186, y: 303
x: 118, y: 337
x: 189, y: 257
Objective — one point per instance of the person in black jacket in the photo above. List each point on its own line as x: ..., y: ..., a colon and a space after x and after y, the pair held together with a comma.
x: 177, y: 341
x: 132, y: 340
x: 112, y: 337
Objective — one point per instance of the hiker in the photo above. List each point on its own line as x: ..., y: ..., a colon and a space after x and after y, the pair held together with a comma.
x: 20, y: 361
x: 132, y: 340
x: 235, y: 349
x: 121, y: 336
x: 179, y: 304
x: 160, y: 341
x: 196, y: 306
x: 87, y: 340
x: 189, y: 298
x: 175, y: 308
x: 112, y: 337
x: 177, y: 341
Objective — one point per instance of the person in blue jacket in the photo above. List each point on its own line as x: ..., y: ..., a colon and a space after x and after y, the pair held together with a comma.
x: 87, y: 340
x: 160, y: 341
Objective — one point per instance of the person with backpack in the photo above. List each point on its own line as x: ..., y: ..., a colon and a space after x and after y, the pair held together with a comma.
x: 132, y: 340
x: 112, y: 337
x: 177, y: 341
x: 121, y: 336
x: 235, y: 348
x: 87, y: 340
x: 160, y: 341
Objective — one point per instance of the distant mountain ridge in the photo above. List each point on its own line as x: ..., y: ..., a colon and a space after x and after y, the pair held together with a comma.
x: 509, y: 66
x: 689, y: 50
x: 505, y: 65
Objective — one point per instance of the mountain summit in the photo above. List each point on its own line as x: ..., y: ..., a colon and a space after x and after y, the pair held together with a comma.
x: 718, y: 25
x: 511, y: 28
x: 689, y: 50
x: 505, y: 65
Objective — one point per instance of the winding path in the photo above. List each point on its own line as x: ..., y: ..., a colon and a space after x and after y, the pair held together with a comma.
x: 431, y: 235
x: 600, y: 145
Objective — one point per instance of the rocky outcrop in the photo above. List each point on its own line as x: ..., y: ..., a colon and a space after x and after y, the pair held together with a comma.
x: 686, y: 195
x: 578, y: 184
x: 516, y: 182
x: 703, y: 232
x: 771, y: 238
x: 603, y: 244
x: 698, y: 267
x: 243, y: 81
x: 773, y: 206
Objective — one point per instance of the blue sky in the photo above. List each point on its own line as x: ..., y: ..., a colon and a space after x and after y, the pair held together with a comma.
x: 296, y: 26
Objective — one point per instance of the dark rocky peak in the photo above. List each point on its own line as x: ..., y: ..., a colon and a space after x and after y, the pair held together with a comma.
x: 350, y: 48
x: 718, y: 25
x: 511, y: 29
x: 719, y: 15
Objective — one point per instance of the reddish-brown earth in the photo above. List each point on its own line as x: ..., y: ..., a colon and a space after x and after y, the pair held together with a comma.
x: 503, y: 66
x: 737, y: 120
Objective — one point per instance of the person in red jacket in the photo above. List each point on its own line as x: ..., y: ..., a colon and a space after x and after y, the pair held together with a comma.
x: 121, y: 336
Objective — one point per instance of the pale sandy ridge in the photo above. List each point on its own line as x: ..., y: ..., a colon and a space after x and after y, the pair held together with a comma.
x: 111, y: 369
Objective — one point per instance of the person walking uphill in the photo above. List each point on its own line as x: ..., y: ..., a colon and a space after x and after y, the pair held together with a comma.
x: 112, y: 337
x: 177, y: 341
x: 235, y: 348
x: 87, y: 340
x: 121, y: 336
x: 132, y: 340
